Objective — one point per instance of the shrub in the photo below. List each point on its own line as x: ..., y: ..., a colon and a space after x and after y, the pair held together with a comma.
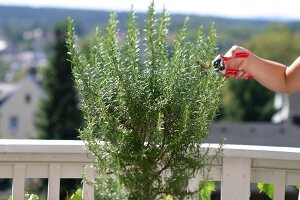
x: 147, y: 111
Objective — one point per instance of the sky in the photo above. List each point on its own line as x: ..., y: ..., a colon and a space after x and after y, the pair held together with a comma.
x: 279, y: 9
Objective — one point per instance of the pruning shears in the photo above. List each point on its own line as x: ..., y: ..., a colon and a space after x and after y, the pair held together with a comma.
x: 219, y: 64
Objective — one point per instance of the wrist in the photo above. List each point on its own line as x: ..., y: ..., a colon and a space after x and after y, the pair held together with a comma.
x: 249, y: 61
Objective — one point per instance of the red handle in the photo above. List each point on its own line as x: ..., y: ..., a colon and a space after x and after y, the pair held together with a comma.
x: 230, y: 71
x: 238, y: 55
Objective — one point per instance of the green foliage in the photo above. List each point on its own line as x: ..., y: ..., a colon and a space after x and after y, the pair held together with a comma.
x: 247, y: 100
x: 206, y: 188
x: 278, y: 43
x: 27, y: 196
x: 268, y: 189
x: 77, y: 195
x: 59, y: 113
x: 147, y: 112
x: 169, y: 197
x: 108, y: 188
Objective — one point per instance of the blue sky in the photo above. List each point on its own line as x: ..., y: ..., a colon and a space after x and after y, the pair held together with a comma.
x: 287, y: 9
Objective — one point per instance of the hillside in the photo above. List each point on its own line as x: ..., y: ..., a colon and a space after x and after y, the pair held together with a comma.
x: 15, y: 20
x: 47, y: 17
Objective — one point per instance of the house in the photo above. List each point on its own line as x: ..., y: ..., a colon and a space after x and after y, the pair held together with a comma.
x: 3, y: 45
x: 284, y: 130
x: 18, y: 106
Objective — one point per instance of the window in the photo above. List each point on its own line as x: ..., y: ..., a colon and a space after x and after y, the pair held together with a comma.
x: 13, y: 124
x: 27, y: 98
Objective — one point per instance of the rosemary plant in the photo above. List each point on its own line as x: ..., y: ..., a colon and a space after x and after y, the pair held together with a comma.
x: 147, y: 111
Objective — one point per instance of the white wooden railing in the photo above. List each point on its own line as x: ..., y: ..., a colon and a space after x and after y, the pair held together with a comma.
x: 245, y: 164
x: 52, y: 159
x: 55, y: 159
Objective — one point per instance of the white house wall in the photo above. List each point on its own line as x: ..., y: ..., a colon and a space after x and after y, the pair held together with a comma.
x: 25, y: 112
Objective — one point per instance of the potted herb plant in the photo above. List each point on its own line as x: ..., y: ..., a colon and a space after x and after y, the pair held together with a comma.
x: 148, y: 105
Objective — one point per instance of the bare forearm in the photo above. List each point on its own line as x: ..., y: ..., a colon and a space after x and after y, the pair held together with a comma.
x: 269, y: 73
x: 273, y: 75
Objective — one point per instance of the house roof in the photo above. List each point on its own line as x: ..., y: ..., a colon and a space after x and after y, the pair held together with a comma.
x: 286, y: 133
x: 6, y: 91
x: 266, y: 134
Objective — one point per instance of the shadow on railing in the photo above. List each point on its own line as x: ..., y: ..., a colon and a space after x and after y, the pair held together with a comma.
x: 56, y: 159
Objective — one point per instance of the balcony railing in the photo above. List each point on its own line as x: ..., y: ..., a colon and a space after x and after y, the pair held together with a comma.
x: 53, y: 159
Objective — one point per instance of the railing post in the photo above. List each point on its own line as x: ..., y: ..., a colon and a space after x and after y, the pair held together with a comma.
x: 279, y: 184
x: 236, y: 178
x: 53, y: 182
x: 18, y: 182
x: 88, y: 189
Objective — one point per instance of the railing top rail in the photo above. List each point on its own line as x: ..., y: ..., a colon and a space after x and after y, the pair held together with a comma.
x: 262, y: 152
x: 77, y: 146
x: 41, y: 146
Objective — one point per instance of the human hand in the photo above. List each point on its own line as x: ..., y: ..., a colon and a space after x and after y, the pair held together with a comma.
x: 235, y: 61
x: 239, y: 75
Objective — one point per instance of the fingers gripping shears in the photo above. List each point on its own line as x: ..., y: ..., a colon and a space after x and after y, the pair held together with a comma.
x: 219, y: 65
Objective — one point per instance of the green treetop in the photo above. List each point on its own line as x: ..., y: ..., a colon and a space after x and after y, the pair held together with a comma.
x: 59, y: 114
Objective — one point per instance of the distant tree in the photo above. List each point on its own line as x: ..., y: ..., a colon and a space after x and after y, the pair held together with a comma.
x: 59, y: 113
x: 248, y: 100
x: 278, y: 43
x: 4, y: 67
